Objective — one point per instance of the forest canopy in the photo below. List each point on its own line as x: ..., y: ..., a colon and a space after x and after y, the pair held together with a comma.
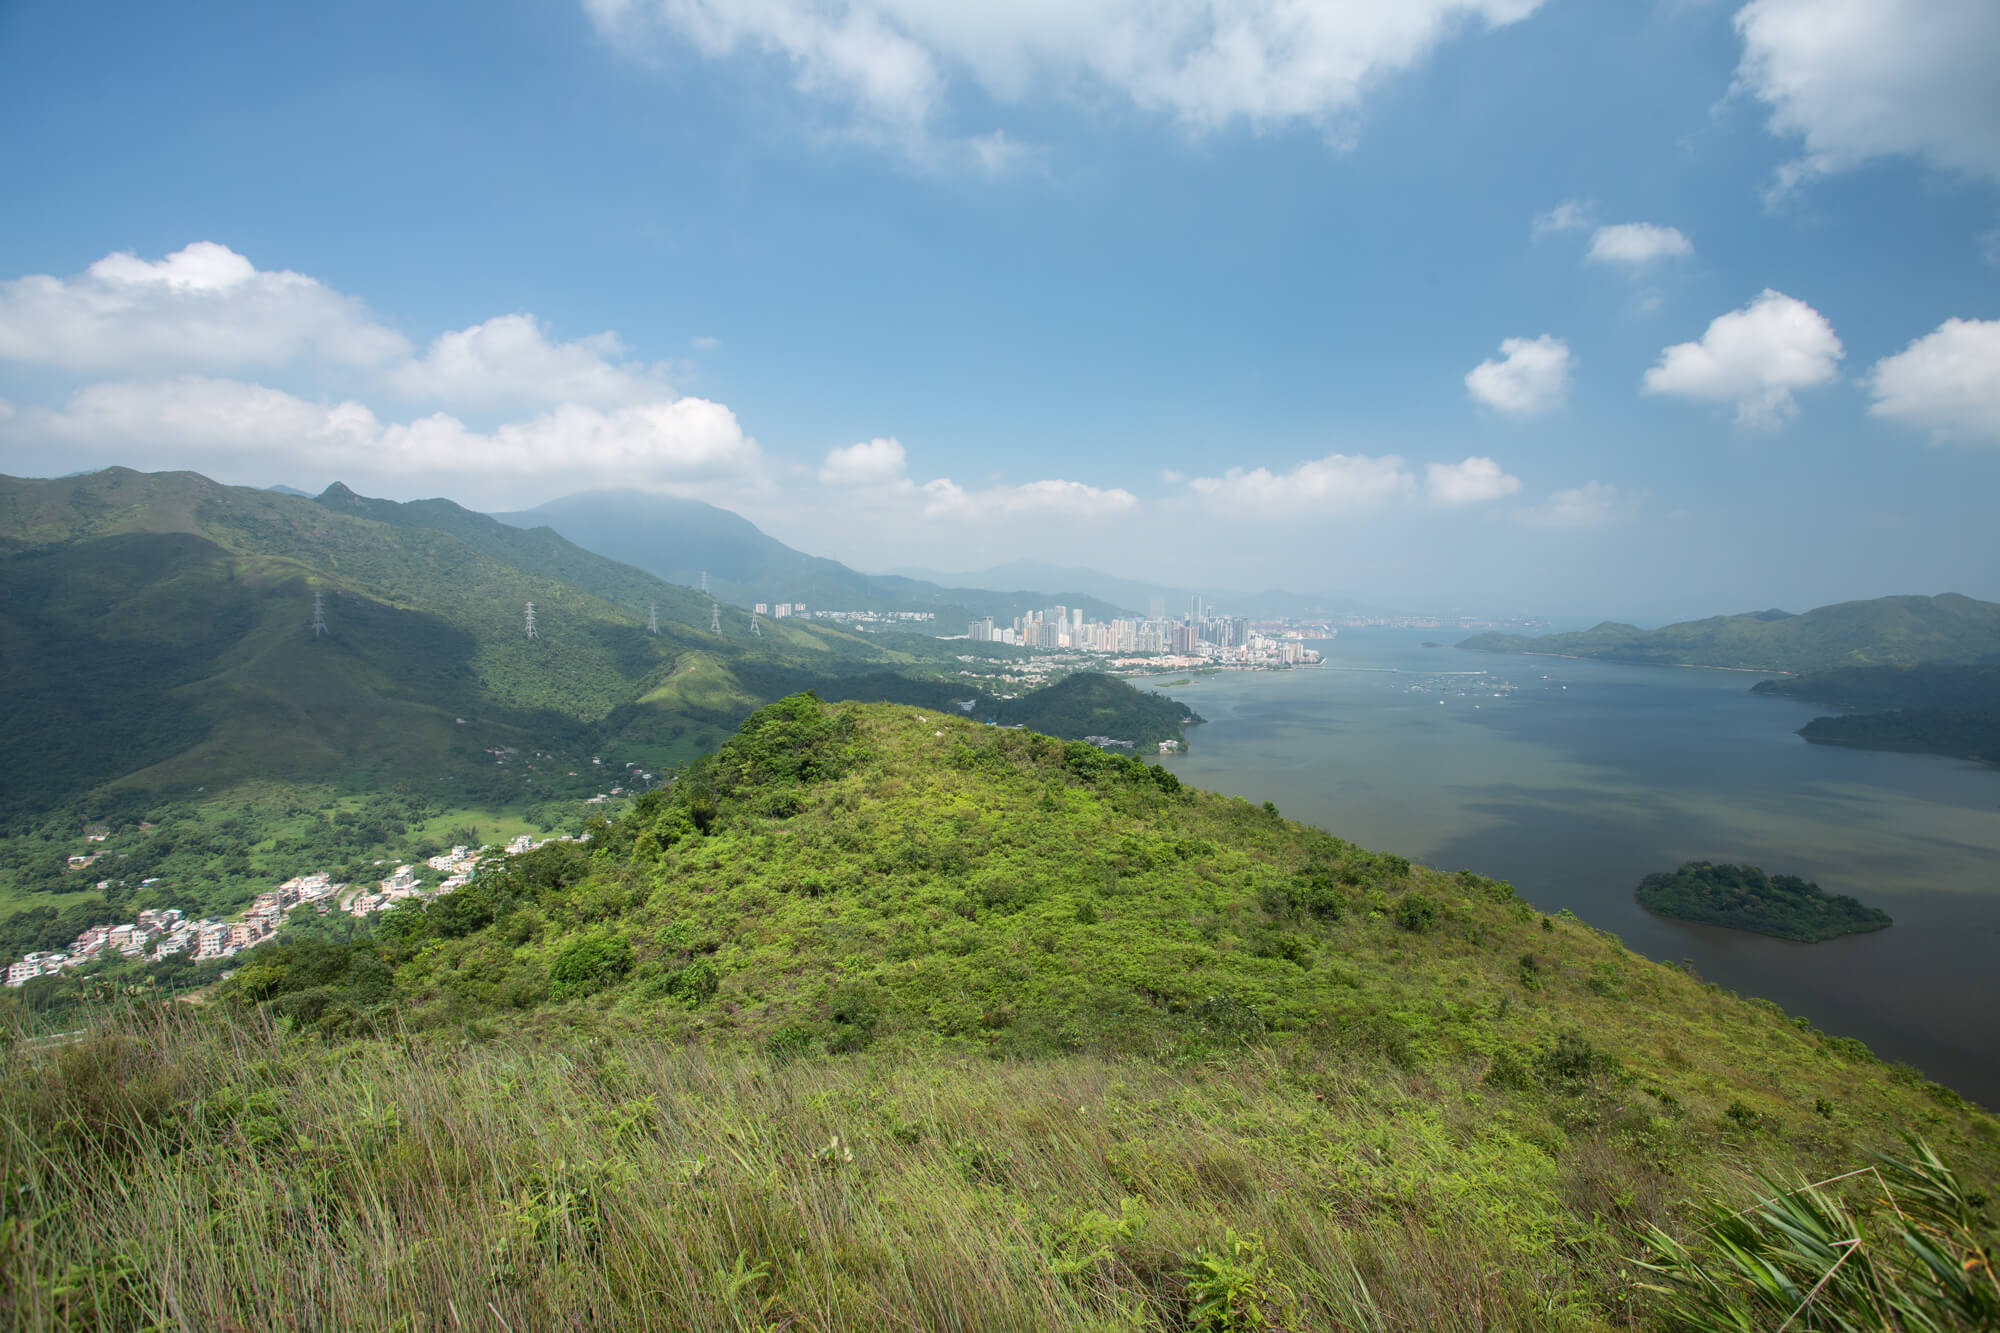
x: 1745, y: 898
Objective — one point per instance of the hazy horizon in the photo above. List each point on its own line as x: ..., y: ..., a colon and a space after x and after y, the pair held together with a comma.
x: 1574, y: 310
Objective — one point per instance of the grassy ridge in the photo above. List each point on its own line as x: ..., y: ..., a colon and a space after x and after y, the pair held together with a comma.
x: 864, y: 1025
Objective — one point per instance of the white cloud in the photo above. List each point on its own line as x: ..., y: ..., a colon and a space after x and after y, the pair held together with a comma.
x: 876, y: 462
x: 1946, y: 382
x: 1337, y: 483
x: 1591, y: 505
x: 1859, y: 79
x: 1531, y: 376
x: 1756, y: 358
x: 510, y: 359
x: 703, y: 343
x: 892, y: 64
x: 944, y: 498
x: 1569, y: 215
x: 1474, y: 481
x: 204, y: 307
x: 169, y: 423
x: 1637, y: 244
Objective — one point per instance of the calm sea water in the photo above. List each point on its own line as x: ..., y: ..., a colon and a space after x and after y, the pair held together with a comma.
x: 1576, y: 779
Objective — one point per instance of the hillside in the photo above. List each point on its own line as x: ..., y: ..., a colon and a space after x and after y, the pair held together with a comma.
x: 1927, y: 709
x: 882, y: 1018
x: 1888, y: 631
x: 680, y: 540
x: 156, y: 631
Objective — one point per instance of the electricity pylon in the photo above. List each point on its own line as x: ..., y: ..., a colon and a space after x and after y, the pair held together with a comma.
x: 531, y: 620
x: 319, y: 615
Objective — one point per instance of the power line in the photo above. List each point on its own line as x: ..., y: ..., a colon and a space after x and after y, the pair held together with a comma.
x: 531, y: 620
x: 319, y: 615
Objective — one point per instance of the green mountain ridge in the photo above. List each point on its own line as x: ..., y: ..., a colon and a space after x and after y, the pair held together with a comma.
x: 882, y: 1019
x: 1886, y: 631
x: 156, y: 630
x: 155, y: 635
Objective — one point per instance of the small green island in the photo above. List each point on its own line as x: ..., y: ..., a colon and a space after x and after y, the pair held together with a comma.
x: 1745, y: 898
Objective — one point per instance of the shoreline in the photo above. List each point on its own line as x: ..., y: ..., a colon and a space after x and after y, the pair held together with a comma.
x: 1626, y: 661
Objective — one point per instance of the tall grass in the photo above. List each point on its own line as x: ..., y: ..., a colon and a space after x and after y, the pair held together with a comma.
x: 176, y: 1170
x: 180, y: 1172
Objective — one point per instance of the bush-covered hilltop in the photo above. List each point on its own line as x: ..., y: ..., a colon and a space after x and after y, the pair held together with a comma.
x: 1745, y: 898
x: 879, y: 1018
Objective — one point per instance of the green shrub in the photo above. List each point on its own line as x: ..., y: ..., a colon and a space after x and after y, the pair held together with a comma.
x: 586, y: 964
x: 1416, y: 913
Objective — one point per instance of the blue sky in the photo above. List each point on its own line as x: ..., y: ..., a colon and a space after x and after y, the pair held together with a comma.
x: 1200, y: 289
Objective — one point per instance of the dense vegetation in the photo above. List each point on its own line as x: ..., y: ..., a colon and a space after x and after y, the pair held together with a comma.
x: 155, y: 648
x: 1888, y: 631
x: 1932, y: 708
x: 1745, y: 898
x: 861, y: 1025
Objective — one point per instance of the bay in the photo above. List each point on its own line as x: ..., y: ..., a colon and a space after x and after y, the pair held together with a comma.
x: 1574, y: 780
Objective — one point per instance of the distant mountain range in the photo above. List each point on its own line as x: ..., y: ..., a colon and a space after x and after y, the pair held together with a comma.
x: 1139, y: 594
x: 156, y: 631
x: 1887, y: 631
x: 680, y: 540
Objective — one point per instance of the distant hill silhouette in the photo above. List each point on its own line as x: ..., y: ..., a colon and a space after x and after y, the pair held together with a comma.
x: 1887, y: 631
x: 681, y: 539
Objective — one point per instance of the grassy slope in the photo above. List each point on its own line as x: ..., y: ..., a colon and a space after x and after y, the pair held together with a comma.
x: 1193, y: 1036
x: 1887, y: 631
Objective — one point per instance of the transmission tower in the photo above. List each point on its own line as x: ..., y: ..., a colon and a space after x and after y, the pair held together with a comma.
x: 653, y: 618
x: 531, y: 620
x: 319, y: 614
x: 704, y: 580
x: 755, y: 628
x: 714, y: 617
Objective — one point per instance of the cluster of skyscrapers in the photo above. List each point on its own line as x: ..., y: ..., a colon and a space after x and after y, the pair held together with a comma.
x: 1065, y: 627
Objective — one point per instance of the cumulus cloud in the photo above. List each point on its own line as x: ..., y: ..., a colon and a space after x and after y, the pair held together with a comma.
x: 1591, y: 505
x: 511, y: 360
x: 1946, y: 382
x: 1860, y: 79
x: 1636, y: 244
x: 1531, y: 376
x: 1337, y: 483
x: 204, y: 307
x: 662, y: 444
x: 1569, y: 215
x: 1474, y: 481
x: 874, y: 462
x: 1756, y: 358
x: 891, y: 65
x: 944, y: 498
